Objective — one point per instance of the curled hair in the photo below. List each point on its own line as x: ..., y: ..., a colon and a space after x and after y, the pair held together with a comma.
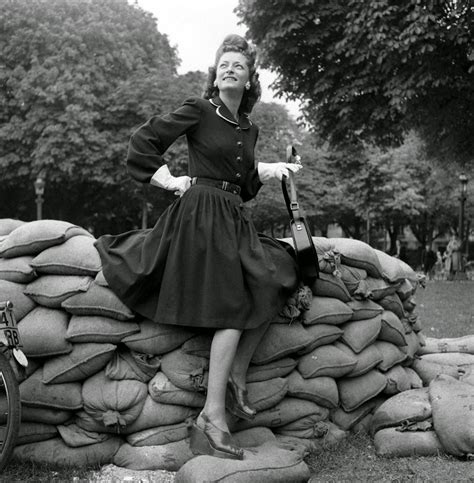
x: 236, y: 43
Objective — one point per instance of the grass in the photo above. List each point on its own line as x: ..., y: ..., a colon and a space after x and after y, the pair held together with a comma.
x: 445, y: 309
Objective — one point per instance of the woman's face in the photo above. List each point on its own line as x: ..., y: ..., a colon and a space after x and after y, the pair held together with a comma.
x: 232, y: 72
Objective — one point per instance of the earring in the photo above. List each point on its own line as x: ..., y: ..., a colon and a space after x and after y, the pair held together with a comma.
x: 215, y: 83
x: 247, y: 85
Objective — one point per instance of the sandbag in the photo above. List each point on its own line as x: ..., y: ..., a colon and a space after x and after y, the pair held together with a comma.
x: 7, y: 225
x: 328, y: 285
x: 199, y: 345
x: 75, y: 436
x: 280, y: 341
x: 266, y: 394
x: 34, y: 237
x: 13, y: 292
x: 321, y: 390
x: 43, y: 332
x: 113, y: 403
x: 186, y: 371
x: 360, y: 334
x: 392, y: 329
x: 450, y: 358
x: 55, y: 452
x: 156, y: 339
x: 393, y: 303
x: 51, y: 416
x: 169, y: 456
x: 346, y: 420
x: 356, y: 253
x: 34, y: 392
x: 279, y: 368
x: 379, y: 288
x: 17, y: 269
x: 76, y: 256
x: 322, y: 334
x: 83, y: 361
x: 394, y: 269
x: 393, y: 443
x: 391, y: 354
x: 31, y: 432
x: 127, y: 364
x: 327, y: 310
x: 351, y: 277
x: 95, y: 328
x: 159, y: 435
x: 364, y: 309
x: 405, y: 407
x: 326, y: 360
x: 427, y: 371
x: 52, y: 290
x: 454, y: 344
x: 97, y: 300
x: 355, y: 391
x: 100, y: 279
x: 453, y: 414
x: 367, y: 359
x: 162, y: 390
x: 401, y: 379
x: 266, y: 464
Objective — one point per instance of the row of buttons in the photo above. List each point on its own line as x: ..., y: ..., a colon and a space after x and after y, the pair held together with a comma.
x: 238, y: 158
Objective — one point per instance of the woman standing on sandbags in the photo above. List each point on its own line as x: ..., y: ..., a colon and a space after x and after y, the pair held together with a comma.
x: 203, y: 265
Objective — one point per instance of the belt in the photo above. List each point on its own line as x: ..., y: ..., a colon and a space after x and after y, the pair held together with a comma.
x: 217, y: 183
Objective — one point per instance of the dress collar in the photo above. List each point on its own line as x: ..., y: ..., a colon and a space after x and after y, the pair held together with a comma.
x: 223, y: 111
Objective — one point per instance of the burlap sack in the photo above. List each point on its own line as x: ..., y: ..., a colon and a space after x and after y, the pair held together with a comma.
x: 360, y: 334
x: 356, y: 253
x: 76, y: 256
x: 45, y: 415
x: 367, y: 359
x: 328, y: 285
x: 427, y: 371
x: 364, y: 309
x: 321, y: 390
x: 406, y: 290
x: 322, y: 334
x: 199, y: 345
x: 326, y: 360
x: 31, y: 432
x: 75, y: 436
x: 127, y: 364
x: 409, y: 304
x: 450, y: 358
x: 355, y: 391
x: 347, y: 420
x: 327, y: 310
x: 98, y: 301
x: 52, y: 290
x: 393, y: 443
x: 13, y: 292
x: 83, y: 361
x: 159, y: 435
x: 391, y: 354
x: 405, y: 407
x: 55, y: 452
x: 100, y: 279
x: 95, y: 328
x: 394, y: 269
x: 266, y: 394
x: 186, y: 371
x: 414, y: 344
x: 43, y: 332
x: 401, y: 379
x: 113, y: 403
x: 453, y: 414
x: 156, y: 338
x: 279, y: 368
x: 17, y: 269
x: 393, y: 303
x: 34, y: 392
x: 380, y: 288
x: 280, y: 341
x: 351, y: 276
x: 34, y: 237
x: 454, y: 344
x: 7, y: 225
x: 266, y: 464
x: 162, y: 390
x: 392, y: 329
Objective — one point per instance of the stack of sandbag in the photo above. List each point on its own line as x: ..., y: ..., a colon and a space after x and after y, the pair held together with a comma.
x: 105, y: 386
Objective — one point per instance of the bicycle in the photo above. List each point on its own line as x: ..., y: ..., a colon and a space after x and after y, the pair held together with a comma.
x: 12, y: 369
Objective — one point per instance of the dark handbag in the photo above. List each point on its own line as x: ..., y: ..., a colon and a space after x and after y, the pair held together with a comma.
x: 306, y: 255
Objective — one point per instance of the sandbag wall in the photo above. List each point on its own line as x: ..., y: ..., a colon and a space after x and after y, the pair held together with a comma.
x: 104, y: 386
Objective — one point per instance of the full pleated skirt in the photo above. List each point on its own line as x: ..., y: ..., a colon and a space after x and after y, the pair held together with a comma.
x: 202, y: 265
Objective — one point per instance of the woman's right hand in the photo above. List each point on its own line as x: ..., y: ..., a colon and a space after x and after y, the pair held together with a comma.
x: 164, y: 179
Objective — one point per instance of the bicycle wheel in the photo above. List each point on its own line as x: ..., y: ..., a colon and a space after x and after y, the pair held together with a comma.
x: 10, y: 410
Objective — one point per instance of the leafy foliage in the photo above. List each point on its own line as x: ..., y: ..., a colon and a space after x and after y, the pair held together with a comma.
x: 374, y: 71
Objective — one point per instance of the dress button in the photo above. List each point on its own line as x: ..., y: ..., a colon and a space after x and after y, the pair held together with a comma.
x: 239, y: 144
x: 238, y: 175
x: 239, y: 158
x: 238, y: 129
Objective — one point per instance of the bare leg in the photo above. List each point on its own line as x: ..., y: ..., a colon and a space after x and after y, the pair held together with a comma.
x: 246, y: 348
x: 223, y: 350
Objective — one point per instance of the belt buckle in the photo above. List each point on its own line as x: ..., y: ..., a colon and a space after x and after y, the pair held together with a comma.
x: 225, y: 185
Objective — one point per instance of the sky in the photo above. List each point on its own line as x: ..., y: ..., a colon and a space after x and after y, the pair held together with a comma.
x: 196, y: 28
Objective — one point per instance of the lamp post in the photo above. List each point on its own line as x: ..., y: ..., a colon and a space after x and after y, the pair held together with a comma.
x: 462, y: 199
x: 39, y: 191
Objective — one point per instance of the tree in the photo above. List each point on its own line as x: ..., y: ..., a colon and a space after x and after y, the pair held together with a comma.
x: 76, y: 77
x: 374, y: 71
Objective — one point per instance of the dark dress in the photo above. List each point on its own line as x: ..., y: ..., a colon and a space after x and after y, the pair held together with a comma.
x: 203, y: 264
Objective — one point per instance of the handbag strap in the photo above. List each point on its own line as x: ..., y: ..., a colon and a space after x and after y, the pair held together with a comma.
x: 291, y: 199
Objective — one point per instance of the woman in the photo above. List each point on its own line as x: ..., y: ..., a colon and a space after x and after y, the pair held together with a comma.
x: 453, y: 256
x: 203, y: 265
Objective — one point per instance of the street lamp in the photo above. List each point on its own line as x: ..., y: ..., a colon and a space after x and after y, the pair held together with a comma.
x: 463, y: 180
x: 39, y: 191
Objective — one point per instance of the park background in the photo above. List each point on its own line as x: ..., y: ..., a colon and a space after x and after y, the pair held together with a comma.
x: 384, y: 124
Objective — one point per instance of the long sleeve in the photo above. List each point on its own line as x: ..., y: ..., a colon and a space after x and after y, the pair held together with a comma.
x: 151, y: 140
